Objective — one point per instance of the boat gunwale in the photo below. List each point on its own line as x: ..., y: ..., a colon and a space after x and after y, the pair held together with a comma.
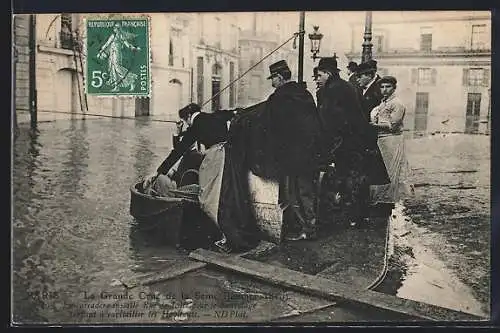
x: 135, y: 191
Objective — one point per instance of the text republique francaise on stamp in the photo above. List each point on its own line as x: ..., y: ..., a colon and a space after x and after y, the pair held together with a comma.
x: 118, y: 57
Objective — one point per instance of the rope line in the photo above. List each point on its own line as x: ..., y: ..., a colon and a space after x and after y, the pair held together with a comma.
x: 107, y: 116
x: 248, y: 70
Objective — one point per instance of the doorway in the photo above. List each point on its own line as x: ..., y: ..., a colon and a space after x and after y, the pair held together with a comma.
x: 142, y: 107
x: 472, y: 113
x: 421, y: 111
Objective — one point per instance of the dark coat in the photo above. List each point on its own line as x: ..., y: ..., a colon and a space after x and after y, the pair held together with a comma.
x: 295, y: 128
x: 371, y: 98
x: 352, y: 80
x: 345, y: 129
x: 207, y: 129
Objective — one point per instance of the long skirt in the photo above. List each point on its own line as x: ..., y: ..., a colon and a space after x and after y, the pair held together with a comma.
x: 392, y: 148
x: 210, y: 180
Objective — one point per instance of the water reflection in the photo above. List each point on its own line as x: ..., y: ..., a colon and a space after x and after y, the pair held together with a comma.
x: 78, y: 152
x: 143, y: 155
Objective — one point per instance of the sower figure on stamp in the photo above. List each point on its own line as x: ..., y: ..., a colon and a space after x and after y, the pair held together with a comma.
x: 295, y: 130
x: 119, y: 76
x: 347, y: 140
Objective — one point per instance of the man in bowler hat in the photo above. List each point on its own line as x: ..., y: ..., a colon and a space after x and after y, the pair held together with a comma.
x: 347, y: 140
x: 368, y: 79
x: 295, y: 130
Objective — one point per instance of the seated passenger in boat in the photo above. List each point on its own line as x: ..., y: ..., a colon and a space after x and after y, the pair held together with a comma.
x: 207, y: 129
x: 388, y: 119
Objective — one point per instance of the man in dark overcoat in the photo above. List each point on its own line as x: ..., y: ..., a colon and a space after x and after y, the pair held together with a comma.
x: 348, y: 141
x: 368, y: 81
x: 295, y: 128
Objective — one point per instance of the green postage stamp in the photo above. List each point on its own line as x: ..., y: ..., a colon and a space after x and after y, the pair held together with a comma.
x: 118, y: 57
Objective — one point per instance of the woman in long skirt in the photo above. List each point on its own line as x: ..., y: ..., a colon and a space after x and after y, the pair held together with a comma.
x: 388, y: 118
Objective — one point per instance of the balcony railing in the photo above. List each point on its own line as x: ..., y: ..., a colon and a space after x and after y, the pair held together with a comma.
x: 440, y: 52
x: 70, y: 42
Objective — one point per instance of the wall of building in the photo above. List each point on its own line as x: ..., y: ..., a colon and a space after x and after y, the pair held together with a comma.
x: 451, y: 55
x: 21, y: 67
x: 214, y: 38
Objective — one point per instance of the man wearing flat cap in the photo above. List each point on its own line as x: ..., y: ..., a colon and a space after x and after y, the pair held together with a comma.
x: 347, y: 140
x: 294, y: 128
x: 368, y: 78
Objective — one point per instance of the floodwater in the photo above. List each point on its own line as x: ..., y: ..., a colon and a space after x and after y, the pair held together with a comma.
x: 73, y: 236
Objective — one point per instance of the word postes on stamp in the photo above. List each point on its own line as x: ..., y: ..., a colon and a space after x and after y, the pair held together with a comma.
x: 118, y: 57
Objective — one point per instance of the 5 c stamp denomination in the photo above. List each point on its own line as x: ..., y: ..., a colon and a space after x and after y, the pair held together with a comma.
x: 118, y: 57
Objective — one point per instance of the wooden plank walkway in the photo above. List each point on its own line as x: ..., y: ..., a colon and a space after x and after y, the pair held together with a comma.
x: 325, y: 288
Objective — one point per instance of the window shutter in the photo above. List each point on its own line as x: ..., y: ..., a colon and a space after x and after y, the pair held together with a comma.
x: 486, y: 77
x: 433, y: 76
x: 414, y: 75
x: 465, y: 77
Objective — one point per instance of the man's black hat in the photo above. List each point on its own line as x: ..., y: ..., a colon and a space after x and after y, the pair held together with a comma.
x: 189, y: 110
x: 278, y: 68
x: 352, y: 66
x: 328, y: 64
x: 366, y: 67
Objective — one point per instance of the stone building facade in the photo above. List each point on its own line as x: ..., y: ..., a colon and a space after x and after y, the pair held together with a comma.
x: 21, y: 69
x: 262, y: 33
x: 216, y: 60
x: 178, y: 42
x: 442, y: 63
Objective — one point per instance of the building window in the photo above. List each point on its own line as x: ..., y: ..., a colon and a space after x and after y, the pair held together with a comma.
x: 378, y: 43
x: 175, y: 46
x: 199, y: 80
x: 170, y: 52
x: 234, y: 38
x: 424, y: 76
x: 218, y: 38
x: 426, y: 42
x: 66, y: 33
x: 426, y: 39
x: 201, y: 29
x: 475, y: 77
x: 472, y: 112
x: 216, y: 83
x: 479, y: 37
x: 421, y: 111
x: 232, y: 89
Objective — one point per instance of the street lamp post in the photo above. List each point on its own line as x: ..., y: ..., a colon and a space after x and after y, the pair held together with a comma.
x: 367, y: 43
x: 315, y: 39
x: 300, y: 73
